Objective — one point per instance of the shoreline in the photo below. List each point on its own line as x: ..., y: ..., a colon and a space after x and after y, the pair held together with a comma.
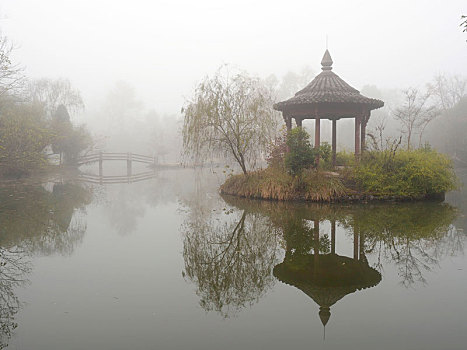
x: 350, y: 198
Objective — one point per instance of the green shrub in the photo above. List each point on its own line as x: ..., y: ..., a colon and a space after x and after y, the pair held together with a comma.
x: 325, y: 151
x: 300, y: 154
x: 325, y: 158
x: 408, y: 174
x: 344, y: 158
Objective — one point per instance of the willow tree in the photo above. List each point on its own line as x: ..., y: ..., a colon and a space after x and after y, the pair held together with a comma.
x: 231, y: 116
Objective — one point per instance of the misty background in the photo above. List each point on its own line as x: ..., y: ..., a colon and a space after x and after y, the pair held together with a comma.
x: 137, y: 63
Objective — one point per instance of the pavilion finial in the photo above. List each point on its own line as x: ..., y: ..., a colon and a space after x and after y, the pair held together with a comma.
x: 326, y: 62
x: 324, y: 314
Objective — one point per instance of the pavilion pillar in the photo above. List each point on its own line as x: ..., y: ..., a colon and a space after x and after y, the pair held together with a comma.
x: 299, y: 122
x: 357, y: 136
x: 355, y: 245
x: 288, y: 122
x: 333, y: 236
x: 316, y: 244
x: 361, y: 247
x: 317, y: 132
x: 317, y: 136
x: 363, y: 135
x: 334, y: 143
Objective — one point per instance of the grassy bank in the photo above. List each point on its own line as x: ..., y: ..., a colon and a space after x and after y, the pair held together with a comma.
x: 384, y: 175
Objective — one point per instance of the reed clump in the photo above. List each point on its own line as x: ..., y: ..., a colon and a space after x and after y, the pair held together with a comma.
x: 274, y: 183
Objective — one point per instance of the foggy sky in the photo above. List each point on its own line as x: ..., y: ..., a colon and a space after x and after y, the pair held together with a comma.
x: 164, y: 48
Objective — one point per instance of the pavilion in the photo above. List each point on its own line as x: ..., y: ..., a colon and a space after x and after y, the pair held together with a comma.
x: 330, y: 97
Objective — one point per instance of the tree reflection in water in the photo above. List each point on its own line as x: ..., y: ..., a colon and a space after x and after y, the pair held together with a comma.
x: 34, y: 221
x: 230, y: 257
x: 412, y: 236
x: 231, y: 261
x: 14, y: 266
x: 43, y: 222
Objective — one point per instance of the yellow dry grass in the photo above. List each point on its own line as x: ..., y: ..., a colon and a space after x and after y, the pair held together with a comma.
x: 275, y: 184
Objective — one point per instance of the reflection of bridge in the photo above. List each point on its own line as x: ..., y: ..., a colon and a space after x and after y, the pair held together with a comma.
x: 117, y: 179
x: 128, y: 157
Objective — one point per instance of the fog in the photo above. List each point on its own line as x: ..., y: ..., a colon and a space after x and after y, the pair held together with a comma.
x: 160, y: 50
x: 130, y: 130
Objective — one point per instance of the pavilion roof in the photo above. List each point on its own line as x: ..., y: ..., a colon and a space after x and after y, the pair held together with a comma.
x: 340, y: 274
x: 328, y: 88
x: 329, y: 281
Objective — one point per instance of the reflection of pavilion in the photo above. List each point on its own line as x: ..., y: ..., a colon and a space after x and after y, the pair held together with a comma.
x: 327, y: 278
x: 395, y: 230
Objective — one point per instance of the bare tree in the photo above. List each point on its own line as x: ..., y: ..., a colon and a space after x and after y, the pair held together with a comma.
x: 229, y: 116
x: 415, y: 114
x: 376, y: 135
x: 293, y: 82
x: 53, y: 93
x: 290, y: 83
x: 11, y: 75
x: 447, y: 90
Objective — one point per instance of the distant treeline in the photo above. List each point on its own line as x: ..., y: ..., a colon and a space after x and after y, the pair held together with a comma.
x: 35, y: 119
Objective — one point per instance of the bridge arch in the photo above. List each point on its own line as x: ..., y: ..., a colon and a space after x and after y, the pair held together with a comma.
x: 112, y: 156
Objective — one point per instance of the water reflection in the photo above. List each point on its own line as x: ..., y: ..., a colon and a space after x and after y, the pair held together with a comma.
x: 14, y: 266
x: 42, y: 221
x: 235, y: 253
x: 324, y: 276
x: 231, y: 256
x: 34, y: 221
x: 412, y: 236
x: 230, y: 260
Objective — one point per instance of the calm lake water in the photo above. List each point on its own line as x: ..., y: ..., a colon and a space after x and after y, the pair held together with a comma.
x: 168, y: 263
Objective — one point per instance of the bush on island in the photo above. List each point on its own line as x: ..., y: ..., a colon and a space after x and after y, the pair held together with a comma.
x: 406, y: 174
x: 301, y: 155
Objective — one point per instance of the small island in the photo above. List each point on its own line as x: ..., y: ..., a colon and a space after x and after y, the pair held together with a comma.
x: 237, y: 116
x: 398, y: 175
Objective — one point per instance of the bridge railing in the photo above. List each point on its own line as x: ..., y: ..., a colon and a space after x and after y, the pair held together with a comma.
x: 99, y: 157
